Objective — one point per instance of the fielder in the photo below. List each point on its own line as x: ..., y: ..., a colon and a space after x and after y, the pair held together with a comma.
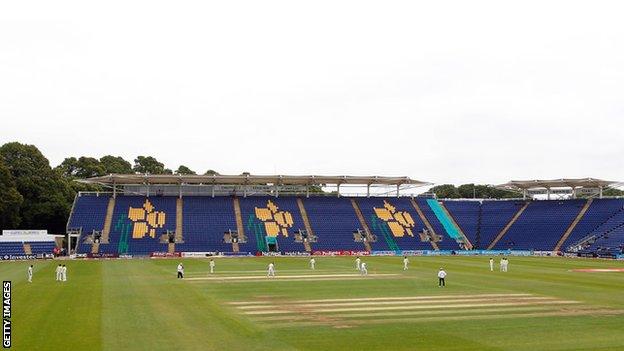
x: 363, y: 269
x: 58, y: 273
x: 312, y: 263
x: 30, y: 271
x: 271, y: 270
x: 212, y: 265
x: 501, y: 263
x: 358, y: 263
x: 64, y: 273
x: 180, y: 271
x: 491, y: 264
x: 405, y: 263
x: 441, y: 276
x: 505, y: 264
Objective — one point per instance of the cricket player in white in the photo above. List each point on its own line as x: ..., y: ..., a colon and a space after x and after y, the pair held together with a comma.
x: 58, y: 273
x: 180, y: 271
x: 501, y: 263
x: 358, y: 264
x: 441, y: 276
x: 30, y: 271
x: 363, y: 269
x: 312, y: 263
x: 271, y: 271
x: 64, y: 273
x: 505, y: 264
x: 405, y: 263
x: 212, y: 265
x: 491, y: 264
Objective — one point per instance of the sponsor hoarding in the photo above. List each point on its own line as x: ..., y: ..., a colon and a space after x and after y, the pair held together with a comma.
x: 165, y: 254
x: 102, y: 255
x: 341, y: 253
x: 198, y: 254
x: 18, y: 257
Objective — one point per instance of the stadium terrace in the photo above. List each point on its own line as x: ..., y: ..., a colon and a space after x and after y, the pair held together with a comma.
x: 145, y: 215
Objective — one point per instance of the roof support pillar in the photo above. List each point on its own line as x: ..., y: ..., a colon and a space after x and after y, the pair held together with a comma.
x: 548, y: 193
x: 147, y: 193
x: 338, y: 192
x: 114, y: 191
x: 307, y: 191
x: 212, y: 190
x: 398, y: 190
x: 276, y: 190
x: 524, y: 194
x: 180, y: 190
x: 600, y: 192
x: 367, y: 190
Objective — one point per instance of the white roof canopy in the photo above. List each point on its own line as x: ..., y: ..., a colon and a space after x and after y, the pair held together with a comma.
x: 249, y: 179
x: 520, y: 185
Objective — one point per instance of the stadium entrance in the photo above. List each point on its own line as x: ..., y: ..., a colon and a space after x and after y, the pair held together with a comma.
x: 271, y: 242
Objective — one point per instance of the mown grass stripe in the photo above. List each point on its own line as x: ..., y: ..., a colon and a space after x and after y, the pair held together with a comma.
x: 404, y: 302
x: 538, y: 314
x: 410, y: 307
x: 429, y: 297
x: 396, y: 314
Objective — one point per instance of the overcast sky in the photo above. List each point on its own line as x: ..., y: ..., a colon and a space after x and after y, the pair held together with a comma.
x: 440, y: 91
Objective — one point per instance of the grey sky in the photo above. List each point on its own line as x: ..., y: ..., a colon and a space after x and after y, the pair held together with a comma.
x: 439, y: 91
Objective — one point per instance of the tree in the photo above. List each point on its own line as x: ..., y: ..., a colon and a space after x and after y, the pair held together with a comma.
x: 612, y: 192
x: 68, y: 167
x: 47, y: 195
x: 316, y: 189
x: 184, y: 170
x: 211, y: 172
x: 115, y: 165
x: 84, y: 167
x: 10, y: 201
x: 446, y: 191
x: 467, y: 191
x: 150, y: 165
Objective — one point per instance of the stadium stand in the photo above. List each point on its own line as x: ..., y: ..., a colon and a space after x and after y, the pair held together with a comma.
x: 334, y: 222
x: 140, y: 224
x: 607, y: 239
x: 88, y: 215
x: 26, y: 244
x: 599, y: 212
x: 276, y: 217
x: 12, y: 248
x: 541, y: 225
x: 447, y: 242
x: 395, y: 219
x: 206, y: 219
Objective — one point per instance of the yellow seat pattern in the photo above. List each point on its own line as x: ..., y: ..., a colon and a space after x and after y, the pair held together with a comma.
x: 136, y: 214
x: 146, y: 220
x: 399, y: 222
x: 383, y: 214
x: 139, y: 230
x: 275, y: 221
x: 263, y: 214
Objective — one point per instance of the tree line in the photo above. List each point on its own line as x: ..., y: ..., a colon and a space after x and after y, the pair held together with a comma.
x: 35, y: 195
x: 470, y: 191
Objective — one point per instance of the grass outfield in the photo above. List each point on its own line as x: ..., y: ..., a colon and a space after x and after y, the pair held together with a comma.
x: 540, y: 304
